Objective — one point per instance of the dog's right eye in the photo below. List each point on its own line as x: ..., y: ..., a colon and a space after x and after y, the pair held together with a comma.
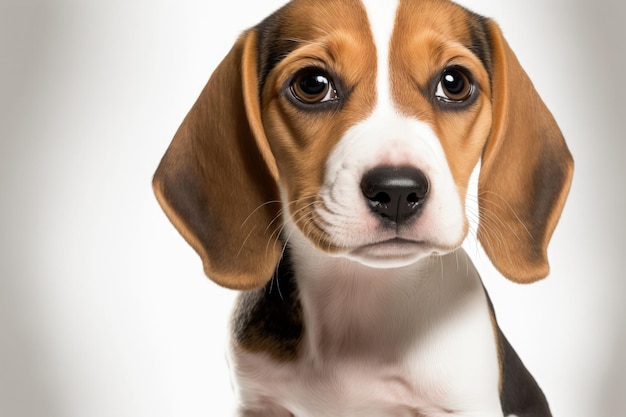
x: 312, y: 86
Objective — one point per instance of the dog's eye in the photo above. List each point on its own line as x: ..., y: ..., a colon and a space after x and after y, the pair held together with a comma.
x: 454, y: 86
x: 312, y: 86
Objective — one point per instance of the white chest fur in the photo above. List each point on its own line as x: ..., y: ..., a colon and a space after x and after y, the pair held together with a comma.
x: 413, y: 341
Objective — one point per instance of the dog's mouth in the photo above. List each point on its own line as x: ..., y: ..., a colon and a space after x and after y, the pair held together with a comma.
x: 361, y: 237
x: 392, y: 252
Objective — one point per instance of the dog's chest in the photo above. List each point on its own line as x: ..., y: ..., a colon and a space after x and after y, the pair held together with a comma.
x: 428, y: 382
x: 408, y: 349
x: 338, y: 388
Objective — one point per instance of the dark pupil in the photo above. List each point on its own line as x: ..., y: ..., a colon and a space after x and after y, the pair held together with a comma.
x: 313, y: 85
x: 454, y: 83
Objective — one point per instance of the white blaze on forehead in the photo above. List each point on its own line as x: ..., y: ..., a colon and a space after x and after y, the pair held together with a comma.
x: 382, y: 19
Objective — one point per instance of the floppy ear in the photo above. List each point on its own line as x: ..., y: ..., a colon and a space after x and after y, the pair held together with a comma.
x: 525, y: 174
x: 217, y: 180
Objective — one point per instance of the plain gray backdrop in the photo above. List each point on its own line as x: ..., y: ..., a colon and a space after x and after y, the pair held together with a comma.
x: 104, y: 309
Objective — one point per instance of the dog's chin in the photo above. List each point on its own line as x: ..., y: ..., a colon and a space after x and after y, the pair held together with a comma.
x: 394, y: 253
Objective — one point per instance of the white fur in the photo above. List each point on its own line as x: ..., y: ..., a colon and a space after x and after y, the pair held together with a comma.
x: 412, y: 339
x: 382, y: 18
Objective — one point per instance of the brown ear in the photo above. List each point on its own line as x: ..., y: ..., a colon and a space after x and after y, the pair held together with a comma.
x: 217, y: 180
x: 525, y: 174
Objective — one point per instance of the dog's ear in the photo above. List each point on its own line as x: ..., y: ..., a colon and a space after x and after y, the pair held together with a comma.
x: 525, y: 174
x: 217, y: 180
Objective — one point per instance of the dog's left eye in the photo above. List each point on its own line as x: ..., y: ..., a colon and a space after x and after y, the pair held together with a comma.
x: 454, y: 86
x: 312, y: 86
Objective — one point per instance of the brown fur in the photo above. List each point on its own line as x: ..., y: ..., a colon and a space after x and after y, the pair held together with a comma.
x: 214, y: 182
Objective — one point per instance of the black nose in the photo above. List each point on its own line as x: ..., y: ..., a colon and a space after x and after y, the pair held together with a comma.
x: 395, y: 193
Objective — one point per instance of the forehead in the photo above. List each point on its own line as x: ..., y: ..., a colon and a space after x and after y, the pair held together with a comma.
x: 371, y: 23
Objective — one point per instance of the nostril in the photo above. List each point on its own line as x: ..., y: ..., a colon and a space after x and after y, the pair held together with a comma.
x: 413, y: 198
x: 421, y: 188
x: 381, y: 198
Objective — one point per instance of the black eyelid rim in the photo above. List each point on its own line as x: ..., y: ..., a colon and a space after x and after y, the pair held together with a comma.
x: 451, y: 104
x: 335, y: 81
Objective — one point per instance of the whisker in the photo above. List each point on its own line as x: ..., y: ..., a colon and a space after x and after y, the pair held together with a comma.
x: 278, y: 232
x: 275, y: 276
x: 511, y: 209
x: 496, y: 218
x: 257, y: 209
x: 491, y: 234
x: 491, y: 220
x: 443, y: 276
x: 245, y: 241
x: 275, y: 236
x: 278, y: 216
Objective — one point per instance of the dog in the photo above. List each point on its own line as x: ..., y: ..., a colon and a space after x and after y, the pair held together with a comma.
x: 324, y: 171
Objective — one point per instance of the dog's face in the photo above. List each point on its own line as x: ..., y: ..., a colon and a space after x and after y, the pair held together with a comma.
x: 375, y: 129
x: 361, y: 122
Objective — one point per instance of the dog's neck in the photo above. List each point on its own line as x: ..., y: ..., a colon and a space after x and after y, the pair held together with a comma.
x: 352, y: 309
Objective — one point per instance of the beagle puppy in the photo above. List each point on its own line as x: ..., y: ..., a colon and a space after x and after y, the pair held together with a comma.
x: 323, y: 172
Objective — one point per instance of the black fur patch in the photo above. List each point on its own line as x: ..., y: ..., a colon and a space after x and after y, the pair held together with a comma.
x: 270, y: 319
x: 481, y: 41
x: 520, y: 394
x: 273, y: 45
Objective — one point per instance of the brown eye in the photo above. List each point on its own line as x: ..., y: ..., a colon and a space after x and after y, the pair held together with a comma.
x: 312, y: 86
x: 454, y: 86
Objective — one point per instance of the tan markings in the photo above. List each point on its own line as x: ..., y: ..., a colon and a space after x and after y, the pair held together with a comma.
x: 334, y: 36
x: 430, y: 36
x: 529, y: 197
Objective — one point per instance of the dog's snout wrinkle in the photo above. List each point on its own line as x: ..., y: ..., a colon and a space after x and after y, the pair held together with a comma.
x: 396, y: 194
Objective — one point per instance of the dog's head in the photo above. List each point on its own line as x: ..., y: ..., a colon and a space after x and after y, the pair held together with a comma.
x: 359, y: 126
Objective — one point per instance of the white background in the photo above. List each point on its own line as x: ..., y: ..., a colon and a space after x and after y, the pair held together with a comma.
x: 104, y: 310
